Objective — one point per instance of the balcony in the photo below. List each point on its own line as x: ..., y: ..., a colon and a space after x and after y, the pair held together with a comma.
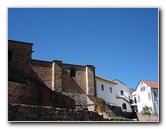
x: 123, y: 97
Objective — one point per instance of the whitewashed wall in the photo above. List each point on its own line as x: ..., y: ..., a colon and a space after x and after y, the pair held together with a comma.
x: 127, y: 92
x: 111, y: 97
x: 106, y: 94
x: 145, y: 97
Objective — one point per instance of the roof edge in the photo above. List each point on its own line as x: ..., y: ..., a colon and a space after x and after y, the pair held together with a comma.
x: 20, y: 42
x: 105, y: 79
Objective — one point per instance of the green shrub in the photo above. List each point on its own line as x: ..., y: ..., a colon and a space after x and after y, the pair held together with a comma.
x: 146, y: 110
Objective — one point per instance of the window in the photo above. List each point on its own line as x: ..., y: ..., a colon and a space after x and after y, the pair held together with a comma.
x: 121, y: 92
x: 102, y: 87
x: 149, y: 96
x: 129, y: 97
x: 111, y: 89
x: 124, y: 106
x: 143, y: 88
x: 10, y: 55
x: 155, y: 95
x: 135, y: 100
x: 73, y: 72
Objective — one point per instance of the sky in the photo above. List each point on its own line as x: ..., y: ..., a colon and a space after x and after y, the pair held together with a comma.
x: 122, y: 43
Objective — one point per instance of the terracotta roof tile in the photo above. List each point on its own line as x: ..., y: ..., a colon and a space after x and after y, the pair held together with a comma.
x: 152, y: 84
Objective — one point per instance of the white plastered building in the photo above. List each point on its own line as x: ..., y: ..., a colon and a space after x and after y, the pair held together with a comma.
x: 146, y: 94
x: 114, y: 92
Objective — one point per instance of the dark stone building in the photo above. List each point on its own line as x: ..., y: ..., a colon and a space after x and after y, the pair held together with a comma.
x: 75, y: 81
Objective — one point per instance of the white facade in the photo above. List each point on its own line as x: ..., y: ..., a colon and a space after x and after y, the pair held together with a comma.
x: 114, y: 93
x: 146, y: 94
x: 106, y: 89
x: 123, y: 94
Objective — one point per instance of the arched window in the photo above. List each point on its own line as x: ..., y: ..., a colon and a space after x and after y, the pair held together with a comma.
x: 73, y: 72
x: 121, y: 92
x: 124, y: 106
x: 10, y: 55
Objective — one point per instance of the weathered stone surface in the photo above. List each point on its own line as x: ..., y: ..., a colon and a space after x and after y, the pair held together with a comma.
x: 26, y: 94
x: 44, y: 71
x: 147, y: 118
x: 33, y: 76
x: 41, y: 113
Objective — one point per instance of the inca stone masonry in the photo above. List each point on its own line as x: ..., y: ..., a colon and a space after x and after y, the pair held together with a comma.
x: 40, y: 82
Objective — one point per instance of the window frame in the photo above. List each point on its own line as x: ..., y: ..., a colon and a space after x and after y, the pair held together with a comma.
x: 110, y: 89
x: 73, y: 72
x: 10, y: 55
x: 121, y: 92
x: 102, y: 87
x: 124, y: 106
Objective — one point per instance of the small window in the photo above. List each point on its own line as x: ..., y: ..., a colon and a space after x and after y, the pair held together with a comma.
x: 111, y: 89
x: 121, y: 92
x: 135, y: 100
x: 124, y: 106
x: 155, y: 95
x: 73, y: 72
x: 143, y: 88
x: 10, y: 55
x: 102, y: 87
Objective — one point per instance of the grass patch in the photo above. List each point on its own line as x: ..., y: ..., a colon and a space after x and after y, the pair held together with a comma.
x: 119, y: 117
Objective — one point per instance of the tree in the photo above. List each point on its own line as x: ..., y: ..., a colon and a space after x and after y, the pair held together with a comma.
x: 146, y: 110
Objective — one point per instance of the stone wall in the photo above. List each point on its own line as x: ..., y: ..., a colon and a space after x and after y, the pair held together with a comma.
x: 80, y: 98
x: 147, y: 118
x: 73, y: 84
x: 42, y: 113
x: 27, y: 94
x: 57, y: 76
x: 44, y: 71
x: 118, y: 112
x: 90, y: 73
x: 20, y: 54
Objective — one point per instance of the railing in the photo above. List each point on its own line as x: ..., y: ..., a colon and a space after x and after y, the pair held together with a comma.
x: 112, y: 104
x: 123, y: 96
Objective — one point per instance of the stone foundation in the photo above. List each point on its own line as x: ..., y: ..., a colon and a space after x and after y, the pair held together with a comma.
x: 22, y: 112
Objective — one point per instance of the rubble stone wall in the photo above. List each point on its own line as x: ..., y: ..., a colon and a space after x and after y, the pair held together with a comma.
x: 26, y: 94
x: 147, y: 118
x: 44, y: 71
x: 48, y: 113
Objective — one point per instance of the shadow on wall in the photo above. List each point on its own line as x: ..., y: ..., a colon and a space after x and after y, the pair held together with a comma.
x: 70, y: 85
x: 25, y: 89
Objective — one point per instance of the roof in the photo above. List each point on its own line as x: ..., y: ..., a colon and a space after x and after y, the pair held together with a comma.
x: 106, y: 79
x: 119, y: 81
x: 152, y: 84
x: 131, y: 89
x: 14, y: 41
